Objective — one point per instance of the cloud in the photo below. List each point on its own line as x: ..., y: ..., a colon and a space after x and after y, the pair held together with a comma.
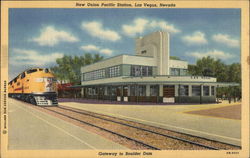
x: 89, y: 48
x: 164, y: 25
x: 96, y: 29
x: 93, y: 48
x: 139, y: 25
x: 194, y: 39
x: 226, y: 39
x: 32, y: 57
x: 106, y: 51
x: 213, y: 53
x: 50, y: 36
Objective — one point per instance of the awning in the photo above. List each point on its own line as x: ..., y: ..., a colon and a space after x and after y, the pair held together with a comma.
x: 217, y: 84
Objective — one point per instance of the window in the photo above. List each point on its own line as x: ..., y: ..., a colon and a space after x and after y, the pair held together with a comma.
x: 144, y: 71
x: 94, y: 91
x: 154, y: 90
x: 143, y: 52
x: 114, y: 71
x: 141, y: 90
x: 111, y: 90
x: 205, y: 90
x: 89, y: 91
x: 15, y: 79
x: 132, y: 90
x: 175, y: 72
x: 212, y: 90
x: 150, y: 71
x: 137, y: 70
x: 183, y: 90
x: 178, y: 72
x: 23, y: 75
x: 183, y: 72
x: 196, y: 90
x: 32, y: 70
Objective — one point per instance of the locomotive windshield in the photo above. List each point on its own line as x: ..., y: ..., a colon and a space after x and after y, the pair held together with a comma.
x: 15, y: 79
x: 23, y: 75
x: 46, y: 70
x: 31, y: 71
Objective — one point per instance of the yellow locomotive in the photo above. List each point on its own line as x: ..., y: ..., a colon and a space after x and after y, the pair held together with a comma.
x: 36, y: 86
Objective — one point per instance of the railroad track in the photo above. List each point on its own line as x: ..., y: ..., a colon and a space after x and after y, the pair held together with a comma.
x: 86, y: 117
x: 115, y: 133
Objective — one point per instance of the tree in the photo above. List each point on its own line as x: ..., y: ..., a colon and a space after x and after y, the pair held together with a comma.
x: 208, y: 66
x: 234, y: 75
x: 192, y: 69
x: 68, y: 68
x: 97, y: 58
x: 220, y: 71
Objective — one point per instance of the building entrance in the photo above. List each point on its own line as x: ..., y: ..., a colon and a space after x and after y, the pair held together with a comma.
x: 168, y: 94
x: 168, y: 91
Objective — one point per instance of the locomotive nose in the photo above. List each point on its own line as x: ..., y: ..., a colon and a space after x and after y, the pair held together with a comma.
x: 50, y: 84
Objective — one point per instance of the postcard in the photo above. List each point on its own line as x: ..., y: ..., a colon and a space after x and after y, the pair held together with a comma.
x: 125, y: 79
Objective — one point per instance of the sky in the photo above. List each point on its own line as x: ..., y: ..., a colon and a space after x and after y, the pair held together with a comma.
x: 38, y: 36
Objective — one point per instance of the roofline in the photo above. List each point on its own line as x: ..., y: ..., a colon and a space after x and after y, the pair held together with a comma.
x: 128, y: 55
x: 25, y: 71
x: 115, y: 57
x: 178, y: 59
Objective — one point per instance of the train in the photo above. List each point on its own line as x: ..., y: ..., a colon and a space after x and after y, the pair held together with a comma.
x: 36, y: 86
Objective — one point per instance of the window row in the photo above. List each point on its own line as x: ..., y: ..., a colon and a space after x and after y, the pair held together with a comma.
x: 98, y: 74
x: 102, y: 73
x: 115, y: 71
x: 196, y: 90
x: 178, y: 72
x: 140, y: 90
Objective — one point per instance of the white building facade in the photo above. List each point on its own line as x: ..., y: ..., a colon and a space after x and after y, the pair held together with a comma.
x: 148, y: 76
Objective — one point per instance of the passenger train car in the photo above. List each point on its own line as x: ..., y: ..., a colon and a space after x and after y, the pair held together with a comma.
x: 36, y: 86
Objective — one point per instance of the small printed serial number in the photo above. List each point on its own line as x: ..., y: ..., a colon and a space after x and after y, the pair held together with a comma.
x: 232, y: 152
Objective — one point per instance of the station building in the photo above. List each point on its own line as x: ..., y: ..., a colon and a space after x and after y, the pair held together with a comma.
x: 148, y: 76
